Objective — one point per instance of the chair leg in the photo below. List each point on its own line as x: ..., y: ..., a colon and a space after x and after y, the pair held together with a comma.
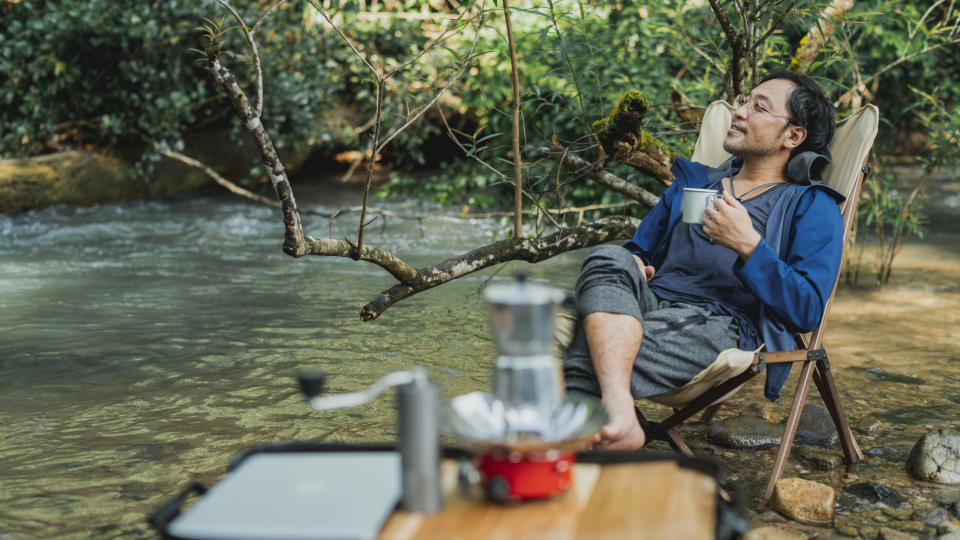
x: 789, y: 431
x: 656, y: 432
x: 710, y: 412
x: 823, y: 377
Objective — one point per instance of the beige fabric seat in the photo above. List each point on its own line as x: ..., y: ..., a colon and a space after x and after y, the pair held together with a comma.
x: 849, y: 148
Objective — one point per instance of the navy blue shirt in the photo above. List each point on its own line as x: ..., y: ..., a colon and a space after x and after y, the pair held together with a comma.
x: 699, y: 272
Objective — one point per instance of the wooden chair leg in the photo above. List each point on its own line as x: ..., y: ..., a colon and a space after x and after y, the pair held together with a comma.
x: 823, y: 378
x: 789, y: 431
x: 710, y: 412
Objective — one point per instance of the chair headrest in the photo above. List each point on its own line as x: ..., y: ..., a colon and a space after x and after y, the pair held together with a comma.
x: 806, y: 167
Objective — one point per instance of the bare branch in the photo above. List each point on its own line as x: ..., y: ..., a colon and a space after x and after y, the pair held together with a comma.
x: 517, y: 160
x: 558, y: 211
x: 849, y: 93
x: 916, y: 27
x: 529, y: 249
x: 737, y: 60
x: 728, y: 30
x: 447, y: 86
x: 293, y: 244
x: 373, y: 161
x: 774, y: 26
x: 344, y: 248
x: 346, y: 40
x: 267, y: 14
x: 433, y: 43
x: 476, y: 158
x: 247, y: 33
x: 581, y: 166
x: 230, y: 186
x: 466, y: 152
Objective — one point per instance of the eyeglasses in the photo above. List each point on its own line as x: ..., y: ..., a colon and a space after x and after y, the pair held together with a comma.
x: 757, y: 107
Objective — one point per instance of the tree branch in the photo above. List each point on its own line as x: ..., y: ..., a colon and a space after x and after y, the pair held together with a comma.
x: 248, y: 34
x: 293, y: 244
x: 344, y: 248
x: 517, y: 160
x: 345, y: 39
x: 215, y: 176
x: 735, y: 70
x: 580, y: 166
x: 529, y: 249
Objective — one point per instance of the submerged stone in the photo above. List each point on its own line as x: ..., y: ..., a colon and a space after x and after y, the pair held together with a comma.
x: 817, y: 458
x: 773, y: 533
x: 750, y: 431
x: 936, y: 457
x: 803, y: 500
x: 934, y: 516
x: 745, y: 432
x: 880, y: 375
x: 874, y: 492
x: 816, y: 426
x: 887, y: 533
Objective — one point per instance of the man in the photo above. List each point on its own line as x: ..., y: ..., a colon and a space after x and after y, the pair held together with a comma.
x: 761, y: 267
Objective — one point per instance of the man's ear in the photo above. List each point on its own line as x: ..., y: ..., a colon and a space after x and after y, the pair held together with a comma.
x: 795, y: 137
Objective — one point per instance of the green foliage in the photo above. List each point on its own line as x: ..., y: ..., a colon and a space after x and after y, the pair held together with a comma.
x: 99, y: 73
x: 96, y: 73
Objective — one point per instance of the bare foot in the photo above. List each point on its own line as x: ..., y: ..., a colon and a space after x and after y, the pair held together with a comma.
x: 622, y: 432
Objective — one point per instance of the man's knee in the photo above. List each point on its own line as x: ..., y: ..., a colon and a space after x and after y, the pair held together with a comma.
x: 610, y: 257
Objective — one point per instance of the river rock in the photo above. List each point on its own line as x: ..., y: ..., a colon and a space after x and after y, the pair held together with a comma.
x: 948, y: 527
x: 933, y: 516
x: 875, y: 492
x: 892, y: 534
x: 803, y: 500
x: 936, y: 457
x: 818, y: 458
x: 896, y: 514
x: 816, y: 426
x: 773, y: 533
x: 745, y: 432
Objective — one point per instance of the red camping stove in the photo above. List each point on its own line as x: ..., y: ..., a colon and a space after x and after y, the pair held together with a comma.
x: 533, y: 475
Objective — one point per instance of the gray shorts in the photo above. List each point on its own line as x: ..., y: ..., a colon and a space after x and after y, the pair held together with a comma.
x: 679, y: 340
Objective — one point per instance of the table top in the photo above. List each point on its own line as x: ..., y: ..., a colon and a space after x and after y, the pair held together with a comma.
x: 654, y: 499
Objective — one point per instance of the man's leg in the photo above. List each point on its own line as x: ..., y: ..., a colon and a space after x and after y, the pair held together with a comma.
x: 614, y: 339
x: 611, y: 297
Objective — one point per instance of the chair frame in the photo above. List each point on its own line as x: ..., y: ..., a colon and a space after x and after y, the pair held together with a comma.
x: 816, y: 366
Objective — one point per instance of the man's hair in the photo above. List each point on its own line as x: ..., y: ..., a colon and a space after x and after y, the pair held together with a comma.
x: 809, y: 108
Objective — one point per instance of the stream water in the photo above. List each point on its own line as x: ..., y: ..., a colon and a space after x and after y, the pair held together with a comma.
x: 146, y: 343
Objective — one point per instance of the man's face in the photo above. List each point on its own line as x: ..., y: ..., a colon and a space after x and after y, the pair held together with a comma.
x: 759, y: 127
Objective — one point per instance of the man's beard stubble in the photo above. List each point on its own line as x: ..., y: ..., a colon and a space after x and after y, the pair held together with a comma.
x: 746, y: 152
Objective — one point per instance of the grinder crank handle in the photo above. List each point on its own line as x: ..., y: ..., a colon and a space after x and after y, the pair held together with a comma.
x: 312, y: 383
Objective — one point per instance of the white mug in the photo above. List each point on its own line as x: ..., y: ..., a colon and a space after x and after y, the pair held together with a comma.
x: 695, y: 201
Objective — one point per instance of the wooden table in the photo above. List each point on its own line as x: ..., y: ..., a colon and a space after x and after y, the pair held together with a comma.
x: 654, y: 499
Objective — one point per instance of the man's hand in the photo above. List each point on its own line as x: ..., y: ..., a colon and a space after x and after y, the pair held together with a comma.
x: 645, y: 270
x: 729, y: 225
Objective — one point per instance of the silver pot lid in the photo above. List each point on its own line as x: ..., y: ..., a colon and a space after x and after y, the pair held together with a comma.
x: 487, y: 423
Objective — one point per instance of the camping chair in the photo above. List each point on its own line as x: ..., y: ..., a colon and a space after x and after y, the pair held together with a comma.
x: 705, y: 392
